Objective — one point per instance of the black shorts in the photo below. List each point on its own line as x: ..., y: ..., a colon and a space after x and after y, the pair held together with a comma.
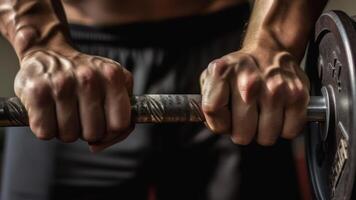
x: 173, y: 161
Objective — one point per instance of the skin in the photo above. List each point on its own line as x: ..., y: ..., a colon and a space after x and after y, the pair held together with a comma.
x: 67, y: 94
x: 263, y: 82
x: 70, y: 95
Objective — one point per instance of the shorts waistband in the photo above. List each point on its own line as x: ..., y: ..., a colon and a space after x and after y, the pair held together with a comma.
x: 177, y: 31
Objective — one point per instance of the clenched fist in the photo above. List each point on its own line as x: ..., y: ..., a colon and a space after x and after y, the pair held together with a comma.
x: 255, y: 94
x: 71, y: 95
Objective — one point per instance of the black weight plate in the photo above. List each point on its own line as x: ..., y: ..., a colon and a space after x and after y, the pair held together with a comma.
x: 331, y: 159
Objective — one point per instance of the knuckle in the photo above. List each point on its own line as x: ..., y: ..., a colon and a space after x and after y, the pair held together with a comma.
x: 250, y: 83
x: 37, y: 95
x: 43, y: 135
x: 116, y: 64
x: 276, y: 87
x: 62, y: 86
x: 38, y: 89
x: 289, y: 135
x: 219, y: 68
x: 217, y: 130
x: 210, y: 109
x: 19, y: 84
x: 214, y: 129
x: 242, y: 65
x: 245, y: 86
x: 129, y: 79
x: 41, y: 132
x: 202, y: 77
x: 86, y: 77
x: 239, y: 58
x: 120, y: 126
x: 299, y: 94
x: 119, y: 129
x: 112, y: 73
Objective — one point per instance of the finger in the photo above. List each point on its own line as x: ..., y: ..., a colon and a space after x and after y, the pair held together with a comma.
x: 215, y: 98
x: 63, y: 87
x: 296, y: 109
x: 128, y: 81
x: 109, y: 141
x: 202, y: 78
x: 244, y: 107
x: 91, y: 109
x: 97, y: 147
x: 117, y: 101
x: 271, y: 111
x: 41, y: 110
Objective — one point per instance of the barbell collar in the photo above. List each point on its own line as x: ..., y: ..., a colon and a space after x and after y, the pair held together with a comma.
x: 317, y: 109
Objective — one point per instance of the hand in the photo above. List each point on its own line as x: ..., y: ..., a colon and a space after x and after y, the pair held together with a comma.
x: 70, y: 95
x: 255, y: 93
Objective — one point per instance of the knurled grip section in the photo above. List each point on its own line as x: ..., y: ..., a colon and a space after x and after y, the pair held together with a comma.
x: 12, y: 112
x: 167, y: 108
x: 145, y: 109
x: 159, y: 108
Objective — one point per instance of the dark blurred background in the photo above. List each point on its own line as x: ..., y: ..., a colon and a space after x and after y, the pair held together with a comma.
x: 9, y: 66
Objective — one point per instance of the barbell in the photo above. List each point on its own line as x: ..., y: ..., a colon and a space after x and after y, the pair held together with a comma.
x: 330, y: 65
x: 154, y: 108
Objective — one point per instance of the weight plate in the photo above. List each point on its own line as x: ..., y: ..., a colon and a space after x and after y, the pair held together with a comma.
x: 331, y: 155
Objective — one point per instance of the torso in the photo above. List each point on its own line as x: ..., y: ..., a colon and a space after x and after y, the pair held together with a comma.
x: 108, y: 12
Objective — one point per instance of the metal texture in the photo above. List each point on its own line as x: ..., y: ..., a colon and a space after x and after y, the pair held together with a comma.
x: 163, y: 108
x: 12, y: 113
x: 167, y: 108
x: 317, y: 109
x: 331, y: 148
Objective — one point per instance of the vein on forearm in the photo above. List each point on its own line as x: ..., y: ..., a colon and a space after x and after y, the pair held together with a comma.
x: 29, y: 23
x: 287, y: 23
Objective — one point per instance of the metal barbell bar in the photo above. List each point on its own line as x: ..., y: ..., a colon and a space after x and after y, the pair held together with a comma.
x: 154, y: 108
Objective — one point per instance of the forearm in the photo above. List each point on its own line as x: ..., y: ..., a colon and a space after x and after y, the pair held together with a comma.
x: 283, y: 24
x: 33, y: 24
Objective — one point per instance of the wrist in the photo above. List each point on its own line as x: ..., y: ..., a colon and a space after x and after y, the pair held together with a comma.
x: 269, y: 41
x: 61, y: 48
x: 58, y: 46
x: 28, y: 39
